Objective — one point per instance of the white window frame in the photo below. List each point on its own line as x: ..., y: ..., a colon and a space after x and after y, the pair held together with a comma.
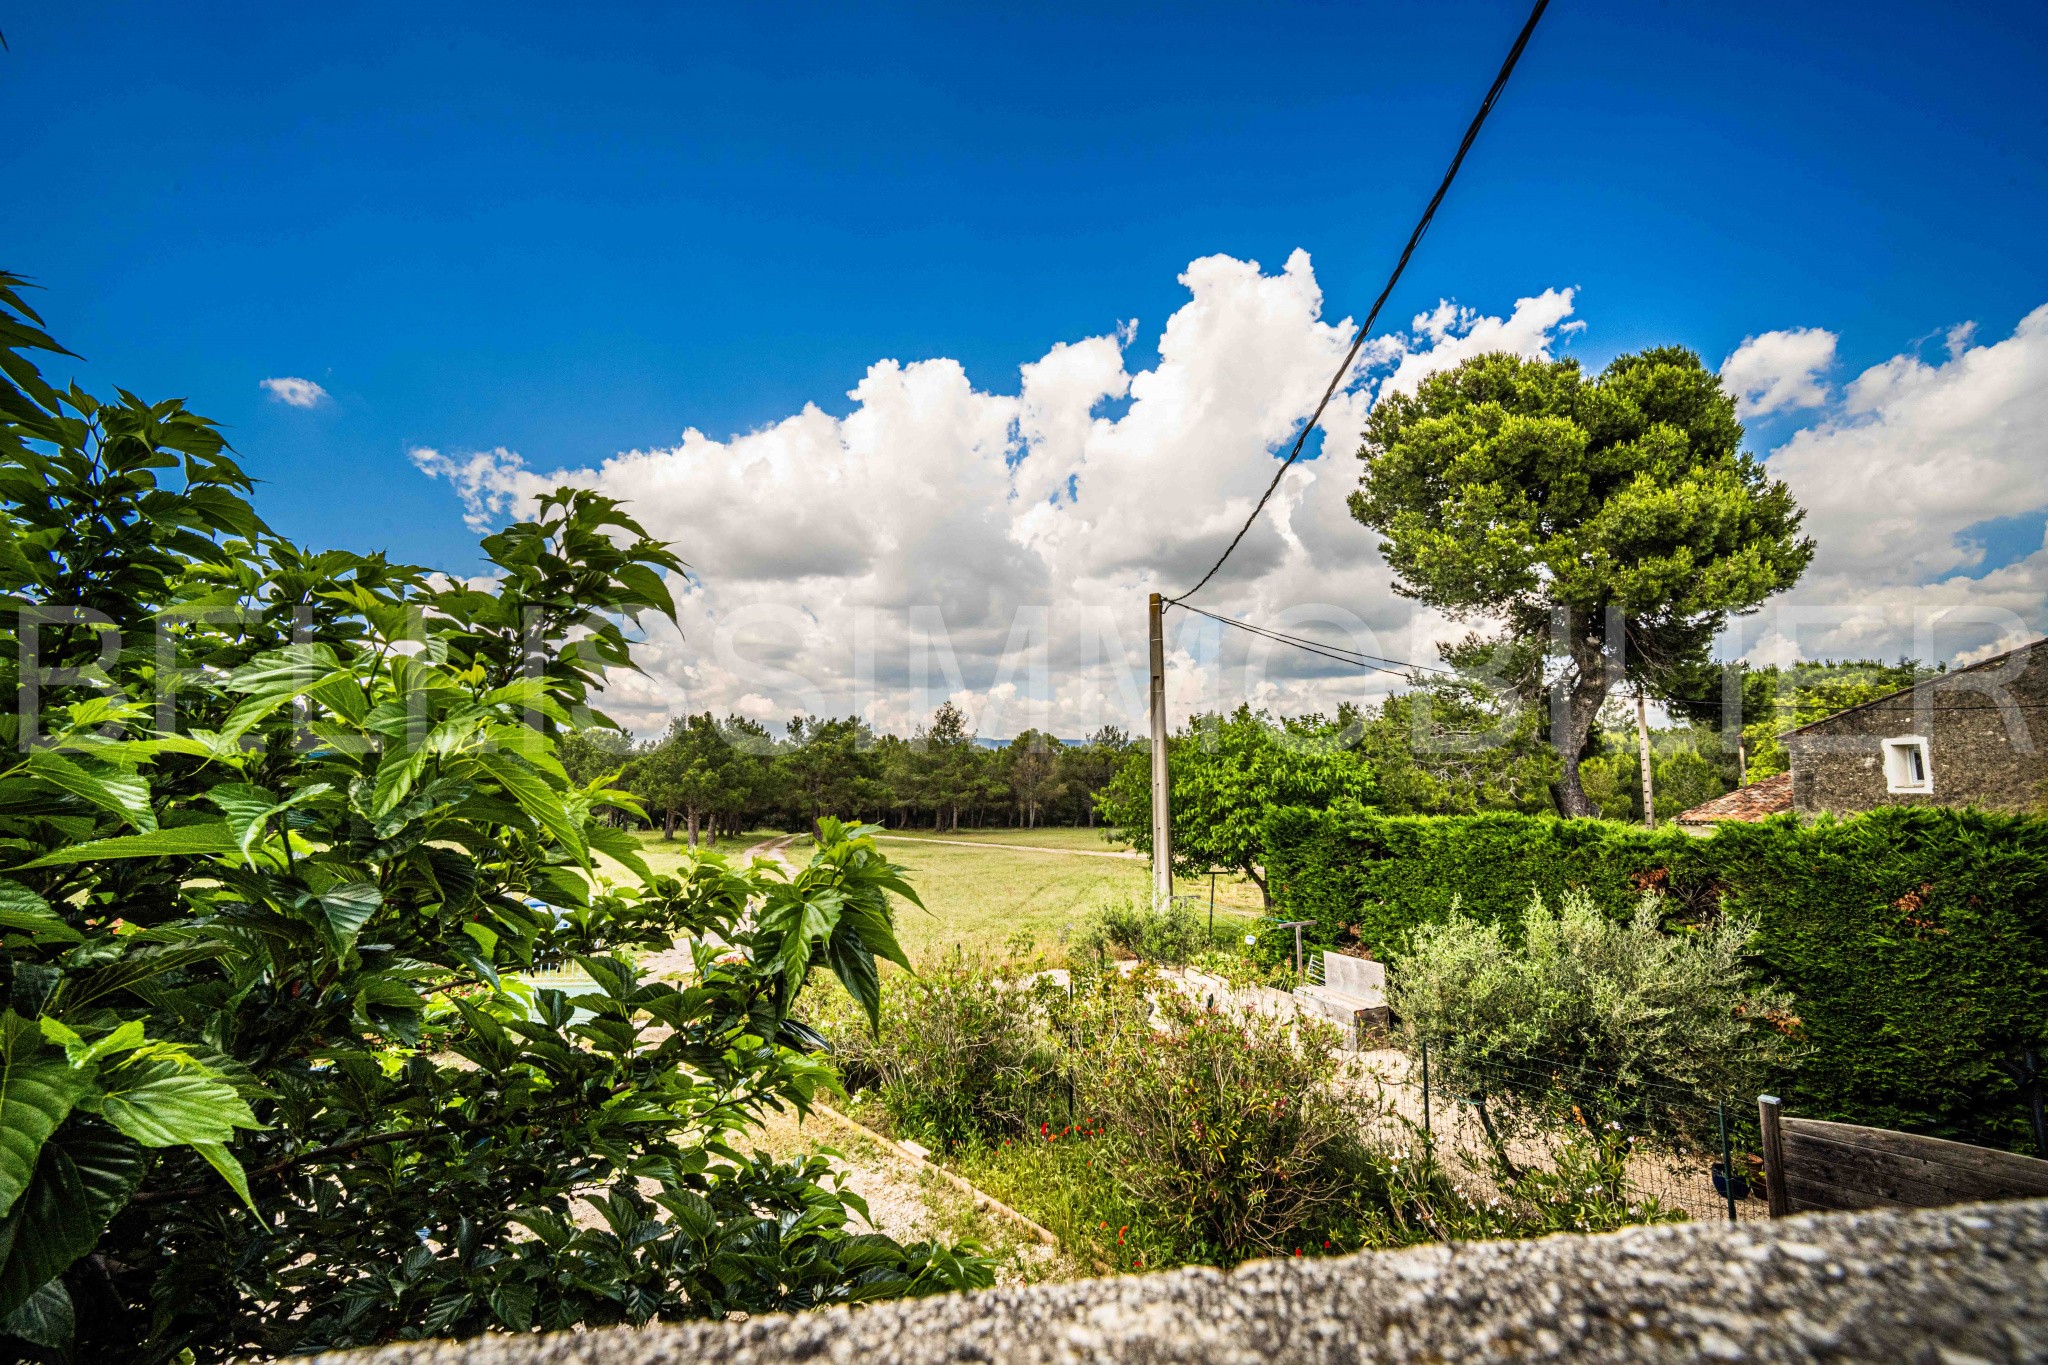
x: 1899, y: 754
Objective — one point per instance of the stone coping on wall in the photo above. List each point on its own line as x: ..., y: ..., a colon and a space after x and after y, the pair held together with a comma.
x: 1951, y: 1285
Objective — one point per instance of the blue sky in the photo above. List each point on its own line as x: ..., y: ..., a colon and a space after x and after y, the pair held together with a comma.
x: 574, y: 233
x: 512, y: 225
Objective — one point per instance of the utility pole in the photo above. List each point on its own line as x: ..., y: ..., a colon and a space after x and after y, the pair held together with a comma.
x: 1162, y: 822
x: 1643, y: 740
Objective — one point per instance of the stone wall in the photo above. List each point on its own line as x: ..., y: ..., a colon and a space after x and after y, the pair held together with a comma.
x: 1987, y: 732
x: 1955, y: 1285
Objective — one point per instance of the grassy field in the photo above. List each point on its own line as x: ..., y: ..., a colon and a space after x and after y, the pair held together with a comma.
x: 993, y: 892
x: 1045, y: 836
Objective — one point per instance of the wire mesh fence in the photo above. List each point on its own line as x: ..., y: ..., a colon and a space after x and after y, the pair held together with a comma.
x: 1492, y: 1119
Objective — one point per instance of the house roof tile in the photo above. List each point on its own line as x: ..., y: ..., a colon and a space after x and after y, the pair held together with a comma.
x: 1772, y: 796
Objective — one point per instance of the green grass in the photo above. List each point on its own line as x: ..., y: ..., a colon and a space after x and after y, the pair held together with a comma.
x: 666, y: 856
x: 988, y: 895
x: 1045, y: 836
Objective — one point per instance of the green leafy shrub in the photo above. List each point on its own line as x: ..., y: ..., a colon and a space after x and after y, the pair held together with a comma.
x: 1064, y: 1176
x: 1127, y: 928
x: 1232, y: 1129
x: 1913, y: 940
x: 1583, y: 1186
x: 964, y: 1051
x: 283, y: 830
x: 1618, y: 1017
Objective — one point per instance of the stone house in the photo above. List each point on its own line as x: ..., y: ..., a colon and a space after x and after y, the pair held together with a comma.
x: 1974, y: 736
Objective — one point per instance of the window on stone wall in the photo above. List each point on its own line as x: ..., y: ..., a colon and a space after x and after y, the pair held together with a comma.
x: 1906, y: 768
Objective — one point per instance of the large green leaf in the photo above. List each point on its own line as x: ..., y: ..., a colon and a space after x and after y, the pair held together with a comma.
x: 854, y: 965
x: 536, y: 798
x: 125, y: 974
x: 109, y: 1166
x: 222, y: 1160
x: 37, y: 1091
x: 45, y: 1319
x: 161, y: 1102
x: 276, y: 679
x: 50, y: 1226
x: 617, y: 843
x: 249, y: 808
x: 213, y: 837
x: 348, y: 908
x: 123, y: 793
x: 25, y: 912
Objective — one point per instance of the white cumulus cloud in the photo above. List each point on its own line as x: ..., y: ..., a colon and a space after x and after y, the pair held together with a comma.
x: 298, y: 393
x: 1779, y: 371
x: 947, y: 541
x: 944, y: 541
x: 1894, y: 475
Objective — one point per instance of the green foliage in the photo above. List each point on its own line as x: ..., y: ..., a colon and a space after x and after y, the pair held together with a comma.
x: 962, y: 1053
x: 284, y: 833
x: 1629, y: 1023
x: 1191, y: 1135
x: 1775, y: 700
x: 1227, y: 772
x: 1690, y: 764
x: 1172, y: 936
x: 1582, y: 1185
x: 1914, y: 941
x: 1510, y: 490
x: 701, y: 769
x: 1231, y: 1129
x: 1449, y: 748
x: 1370, y: 879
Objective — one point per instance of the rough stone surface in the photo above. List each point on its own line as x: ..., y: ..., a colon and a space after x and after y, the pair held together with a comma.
x: 1983, y: 726
x: 1947, y: 1285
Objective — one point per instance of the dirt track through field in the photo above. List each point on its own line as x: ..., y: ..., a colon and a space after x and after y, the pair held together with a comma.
x: 1010, y: 848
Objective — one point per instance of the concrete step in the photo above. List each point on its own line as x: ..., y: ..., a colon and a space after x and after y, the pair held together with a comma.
x: 1361, y: 1017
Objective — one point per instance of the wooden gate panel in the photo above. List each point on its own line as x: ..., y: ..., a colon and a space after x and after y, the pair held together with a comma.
x: 1812, y: 1164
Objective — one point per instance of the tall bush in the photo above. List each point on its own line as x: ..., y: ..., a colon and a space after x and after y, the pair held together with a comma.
x: 965, y: 1049
x: 281, y: 829
x: 1626, y: 1021
x: 1173, y: 935
x: 1234, y: 1130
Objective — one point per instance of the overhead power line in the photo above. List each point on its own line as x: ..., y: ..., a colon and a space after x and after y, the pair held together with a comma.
x: 1342, y: 654
x: 1381, y: 663
x: 1493, y: 94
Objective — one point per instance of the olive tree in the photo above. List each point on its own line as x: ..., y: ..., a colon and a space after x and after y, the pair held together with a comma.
x: 1593, y: 529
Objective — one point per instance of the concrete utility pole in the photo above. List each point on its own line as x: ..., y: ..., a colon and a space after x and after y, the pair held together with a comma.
x: 1162, y: 822
x: 1643, y: 739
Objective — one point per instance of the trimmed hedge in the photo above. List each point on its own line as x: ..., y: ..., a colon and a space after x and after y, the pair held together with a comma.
x: 1915, y: 939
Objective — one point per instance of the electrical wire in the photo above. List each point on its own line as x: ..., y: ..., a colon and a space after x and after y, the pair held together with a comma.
x: 1380, y: 663
x: 1493, y: 94
x: 1342, y: 654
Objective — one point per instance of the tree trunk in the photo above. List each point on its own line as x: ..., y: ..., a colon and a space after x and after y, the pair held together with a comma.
x: 1582, y: 702
x: 668, y: 826
x: 693, y: 829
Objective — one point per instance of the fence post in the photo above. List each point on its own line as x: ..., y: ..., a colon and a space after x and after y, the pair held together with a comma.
x: 1070, y: 1049
x: 1767, y: 1108
x: 1727, y: 1158
x: 1428, y: 1136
